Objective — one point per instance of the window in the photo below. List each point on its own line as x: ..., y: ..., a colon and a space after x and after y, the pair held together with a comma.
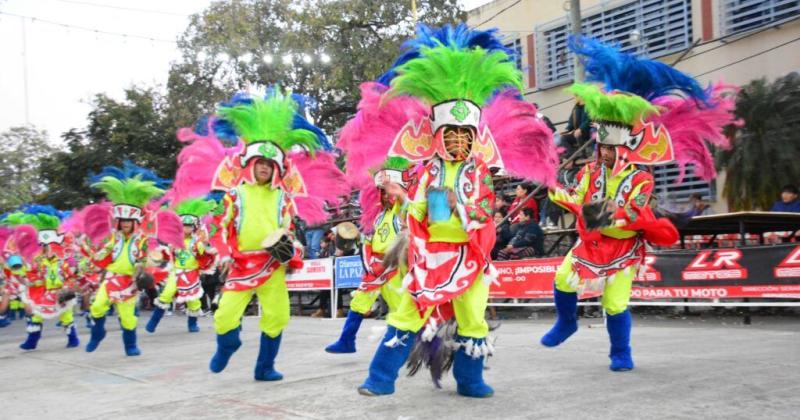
x: 516, y: 47
x: 742, y: 15
x: 667, y: 186
x: 665, y: 27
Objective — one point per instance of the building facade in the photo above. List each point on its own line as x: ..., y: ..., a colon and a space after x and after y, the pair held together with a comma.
x: 735, y: 41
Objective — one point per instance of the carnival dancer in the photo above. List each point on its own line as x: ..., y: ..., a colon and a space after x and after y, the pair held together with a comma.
x: 196, y: 258
x: 49, y: 291
x: 256, y: 240
x: 647, y: 114
x: 473, y: 120
x: 14, y: 274
x: 379, y: 279
x: 123, y: 250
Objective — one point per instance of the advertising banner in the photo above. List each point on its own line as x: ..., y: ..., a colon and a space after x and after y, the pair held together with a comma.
x: 315, y: 275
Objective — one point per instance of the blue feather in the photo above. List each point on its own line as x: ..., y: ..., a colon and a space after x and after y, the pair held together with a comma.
x: 625, y: 72
x: 216, y: 196
x: 43, y: 209
x: 459, y: 36
x: 300, y: 122
x: 130, y: 170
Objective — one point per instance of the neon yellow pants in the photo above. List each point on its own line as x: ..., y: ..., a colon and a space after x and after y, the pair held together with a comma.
x: 392, y: 291
x: 66, y: 318
x: 16, y: 305
x: 171, y: 289
x: 273, y: 297
x: 617, y: 291
x: 125, y: 310
x: 469, y: 308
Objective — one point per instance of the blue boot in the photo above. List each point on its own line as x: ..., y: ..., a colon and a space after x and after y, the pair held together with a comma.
x: 265, y: 364
x: 227, y: 344
x: 98, y: 334
x: 567, y: 320
x: 468, y: 370
x: 12, y: 315
x: 347, y: 341
x: 34, y: 334
x: 72, y: 336
x: 392, y: 353
x: 89, y: 320
x: 619, y: 333
x: 192, y: 324
x: 129, y: 339
x: 4, y: 321
x: 21, y: 313
x: 155, y: 318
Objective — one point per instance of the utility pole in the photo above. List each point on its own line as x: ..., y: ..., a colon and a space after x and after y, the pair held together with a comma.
x: 575, y: 22
x: 25, y: 71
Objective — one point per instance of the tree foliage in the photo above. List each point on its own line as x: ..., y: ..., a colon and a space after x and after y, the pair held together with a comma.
x: 21, y: 152
x: 135, y: 129
x: 362, y: 38
x: 765, y: 149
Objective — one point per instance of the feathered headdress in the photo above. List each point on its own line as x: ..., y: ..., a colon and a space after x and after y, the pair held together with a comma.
x: 459, y: 36
x: 129, y: 195
x: 44, y: 218
x: 192, y: 210
x: 267, y: 128
x: 274, y: 127
x: 466, y: 78
x: 652, y: 112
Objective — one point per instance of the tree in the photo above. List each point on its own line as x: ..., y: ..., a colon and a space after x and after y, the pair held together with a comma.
x: 21, y: 152
x: 136, y: 129
x: 765, y: 149
x: 223, y: 48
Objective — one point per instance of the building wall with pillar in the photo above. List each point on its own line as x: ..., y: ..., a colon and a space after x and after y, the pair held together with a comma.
x: 734, y: 41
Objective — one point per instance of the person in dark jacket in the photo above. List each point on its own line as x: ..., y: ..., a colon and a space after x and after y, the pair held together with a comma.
x: 788, y: 202
x: 528, y: 240
x: 504, y: 234
x: 578, y: 130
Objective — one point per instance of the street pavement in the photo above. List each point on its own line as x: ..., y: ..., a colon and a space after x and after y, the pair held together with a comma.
x: 685, y: 369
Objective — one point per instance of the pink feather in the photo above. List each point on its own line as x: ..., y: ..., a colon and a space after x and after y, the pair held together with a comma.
x: 369, y: 199
x: 367, y: 138
x: 197, y: 164
x: 27, y: 241
x: 169, y: 228
x: 524, y: 140
x: 97, y: 221
x: 692, y: 127
x: 324, y: 183
x: 5, y: 235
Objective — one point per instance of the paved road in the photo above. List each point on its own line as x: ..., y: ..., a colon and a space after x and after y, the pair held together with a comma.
x: 685, y: 369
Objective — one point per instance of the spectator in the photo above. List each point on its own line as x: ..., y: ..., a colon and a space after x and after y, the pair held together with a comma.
x: 578, y: 129
x: 522, y: 191
x: 501, y: 202
x: 697, y: 207
x: 503, y: 231
x: 313, y: 237
x: 788, y: 202
x: 527, y: 242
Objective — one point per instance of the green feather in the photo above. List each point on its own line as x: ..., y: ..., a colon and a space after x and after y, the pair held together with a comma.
x: 397, y: 163
x: 622, y: 108
x: 270, y: 119
x: 131, y: 191
x: 14, y: 219
x: 444, y: 73
x: 197, y: 207
x: 40, y: 221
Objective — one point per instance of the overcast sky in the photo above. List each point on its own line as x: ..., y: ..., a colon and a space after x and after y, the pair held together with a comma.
x: 67, y: 66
